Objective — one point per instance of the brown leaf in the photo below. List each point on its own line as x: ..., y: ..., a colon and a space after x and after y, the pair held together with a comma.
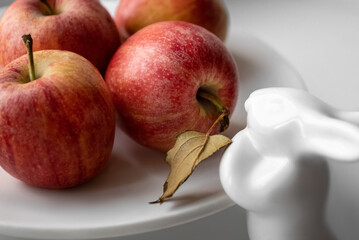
x: 190, y: 149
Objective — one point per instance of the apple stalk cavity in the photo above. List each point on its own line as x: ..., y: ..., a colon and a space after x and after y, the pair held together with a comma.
x: 48, y: 7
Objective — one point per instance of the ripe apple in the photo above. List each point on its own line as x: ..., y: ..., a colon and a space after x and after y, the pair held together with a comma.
x: 80, y: 26
x: 132, y: 15
x: 56, y: 131
x: 170, y: 77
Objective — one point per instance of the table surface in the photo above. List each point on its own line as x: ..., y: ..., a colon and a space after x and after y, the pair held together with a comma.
x: 319, y: 38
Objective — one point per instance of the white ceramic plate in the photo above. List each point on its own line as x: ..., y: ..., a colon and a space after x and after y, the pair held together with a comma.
x: 116, y: 202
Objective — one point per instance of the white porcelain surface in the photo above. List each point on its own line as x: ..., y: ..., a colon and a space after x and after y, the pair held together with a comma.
x: 116, y: 202
x: 277, y: 167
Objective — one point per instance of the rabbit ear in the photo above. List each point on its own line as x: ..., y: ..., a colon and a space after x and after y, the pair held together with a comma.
x: 334, y: 139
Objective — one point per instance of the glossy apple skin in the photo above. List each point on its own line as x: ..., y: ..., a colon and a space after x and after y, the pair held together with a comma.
x: 132, y: 15
x: 155, y: 75
x: 56, y: 131
x: 80, y: 26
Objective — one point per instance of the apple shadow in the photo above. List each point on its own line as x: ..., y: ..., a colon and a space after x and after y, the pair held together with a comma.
x: 117, y: 173
x: 129, y: 167
x: 128, y: 164
x: 247, y: 71
x: 247, y: 68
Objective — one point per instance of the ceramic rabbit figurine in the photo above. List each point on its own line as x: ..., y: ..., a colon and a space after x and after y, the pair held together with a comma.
x: 277, y: 167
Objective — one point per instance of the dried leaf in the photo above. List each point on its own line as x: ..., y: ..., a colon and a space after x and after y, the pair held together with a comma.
x: 190, y: 149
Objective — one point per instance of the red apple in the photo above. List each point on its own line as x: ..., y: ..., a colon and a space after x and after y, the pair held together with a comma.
x: 170, y: 77
x: 132, y: 15
x: 56, y: 131
x: 80, y: 26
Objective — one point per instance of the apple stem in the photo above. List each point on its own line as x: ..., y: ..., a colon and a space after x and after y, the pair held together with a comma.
x: 49, y: 9
x: 224, y: 113
x: 28, y: 43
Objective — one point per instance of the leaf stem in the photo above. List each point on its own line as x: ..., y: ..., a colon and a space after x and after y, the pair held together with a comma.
x: 28, y: 43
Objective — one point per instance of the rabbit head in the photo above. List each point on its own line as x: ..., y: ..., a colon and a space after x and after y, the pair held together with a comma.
x: 278, y: 163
